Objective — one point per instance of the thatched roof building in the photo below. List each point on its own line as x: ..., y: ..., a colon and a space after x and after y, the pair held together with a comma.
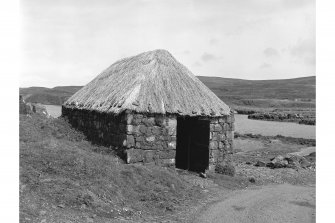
x: 153, y: 109
x: 151, y: 82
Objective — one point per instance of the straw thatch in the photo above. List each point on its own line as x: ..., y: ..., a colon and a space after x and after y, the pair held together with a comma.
x: 151, y: 82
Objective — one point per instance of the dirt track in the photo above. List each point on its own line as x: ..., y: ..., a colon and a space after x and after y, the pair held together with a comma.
x: 279, y: 203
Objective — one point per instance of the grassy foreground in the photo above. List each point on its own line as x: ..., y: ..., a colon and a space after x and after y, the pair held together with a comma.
x: 64, y: 178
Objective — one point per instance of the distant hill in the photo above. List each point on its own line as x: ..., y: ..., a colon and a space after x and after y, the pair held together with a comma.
x: 50, y: 96
x: 260, y: 93
x: 300, y: 91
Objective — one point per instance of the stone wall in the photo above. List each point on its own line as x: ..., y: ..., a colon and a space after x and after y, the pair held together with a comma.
x: 139, y: 137
x: 151, y: 138
x: 101, y: 128
x: 148, y: 138
x: 221, y: 139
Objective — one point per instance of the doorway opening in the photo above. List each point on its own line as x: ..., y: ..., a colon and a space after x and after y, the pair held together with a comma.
x: 192, y: 151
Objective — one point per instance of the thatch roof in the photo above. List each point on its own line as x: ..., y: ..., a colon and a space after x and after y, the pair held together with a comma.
x: 151, y: 82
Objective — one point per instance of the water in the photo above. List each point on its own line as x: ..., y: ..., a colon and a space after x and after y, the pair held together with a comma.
x: 245, y: 125
x: 54, y: 110
x: 270, y: 128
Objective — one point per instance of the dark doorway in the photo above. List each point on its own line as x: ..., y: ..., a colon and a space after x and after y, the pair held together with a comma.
x: 192, y: 144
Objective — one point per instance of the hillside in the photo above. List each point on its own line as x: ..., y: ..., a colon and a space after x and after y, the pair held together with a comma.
x: 297, y: 92
x: 64, y: 178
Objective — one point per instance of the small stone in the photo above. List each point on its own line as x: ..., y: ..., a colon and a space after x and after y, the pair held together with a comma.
x: 212, y: 127
x: 130, y: 118
x: 172, y: 145
x: 213, y: 145
x: 143, y: 129
x: 43, y: 212
x: 203, y: 175
x: 150, y: 139
x: 130, y: 129
x: 61, y: 206
x: 156, y: 130
x: 252, y: 180
x: 130, y: 141
x: 217, y: 128
x: 260, y: 164
x: 90, y: 220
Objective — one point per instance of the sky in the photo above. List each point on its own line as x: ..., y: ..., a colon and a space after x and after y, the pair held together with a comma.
x: 69, y: 42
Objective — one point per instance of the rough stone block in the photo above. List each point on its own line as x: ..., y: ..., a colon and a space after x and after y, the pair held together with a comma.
x: 167, y: 154
x: 171, y: 131
x: 148, y: 132
x: 149, y: 121
x: 134, y: 155
x: 160, y: 121
x: 138, y: 116
x: 212, y: 127
x: 221, y: 145
x: 165, y: 145
x: 218, y: 128
x: 158, y: 147
x: 167, y: 162
x: 226, y: 127
x: 142, y: 129
x: 230, y: 134
x: 156, y: 130
x: 129, y: 118
x: 223, y: 119
x: 172, y: 145
x: 165, y: 132
x: 150, y: 139
x: 213, y: 145
x: 172, y: 122
x: 130, y: 129
x: 139, y: 138
x: 215, y: 136
x: 148, y: 156
x: 214, y: 121
x: 130, y: 141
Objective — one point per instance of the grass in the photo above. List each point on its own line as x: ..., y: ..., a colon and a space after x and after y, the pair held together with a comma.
x: 64, y: 177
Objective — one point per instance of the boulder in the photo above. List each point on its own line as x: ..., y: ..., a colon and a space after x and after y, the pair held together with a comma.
x: 260, y: 164
x: 278, y: 162
x: 289, y: 161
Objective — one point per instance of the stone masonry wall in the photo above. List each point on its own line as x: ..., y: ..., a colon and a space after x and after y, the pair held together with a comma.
x: 221, y: 139
x: 151, y: 139
x: 100, y: 128
x: 140, y: 137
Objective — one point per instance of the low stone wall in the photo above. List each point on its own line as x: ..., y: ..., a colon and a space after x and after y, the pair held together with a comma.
x: 151, y: 138
x: 221, y: 139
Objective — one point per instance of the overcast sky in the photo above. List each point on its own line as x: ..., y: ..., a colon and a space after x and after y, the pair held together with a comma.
x: 69, y: 42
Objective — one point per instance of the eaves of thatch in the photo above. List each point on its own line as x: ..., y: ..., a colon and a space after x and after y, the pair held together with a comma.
x: 151, y: 82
